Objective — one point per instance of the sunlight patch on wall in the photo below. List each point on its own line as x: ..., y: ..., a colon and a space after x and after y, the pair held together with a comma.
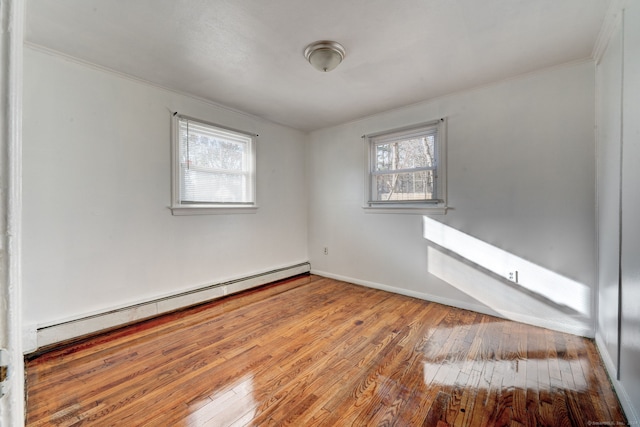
x: 539, y: 294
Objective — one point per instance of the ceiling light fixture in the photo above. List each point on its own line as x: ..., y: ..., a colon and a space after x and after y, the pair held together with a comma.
x: 324, y: 55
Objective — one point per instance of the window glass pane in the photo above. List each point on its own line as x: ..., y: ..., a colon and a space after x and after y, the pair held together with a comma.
x: 418, y: 185
x: 215, y: 164
x: 407, y: 168
x: 214, y: 153
x: 405, y: 154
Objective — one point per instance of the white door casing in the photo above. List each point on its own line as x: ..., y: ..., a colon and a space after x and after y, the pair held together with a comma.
x: 11, y: 54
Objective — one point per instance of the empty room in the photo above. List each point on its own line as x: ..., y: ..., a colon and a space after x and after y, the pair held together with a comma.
x: 246, y: 212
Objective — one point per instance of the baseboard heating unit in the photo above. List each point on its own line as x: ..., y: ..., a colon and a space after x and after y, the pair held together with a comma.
x: 50, y: 334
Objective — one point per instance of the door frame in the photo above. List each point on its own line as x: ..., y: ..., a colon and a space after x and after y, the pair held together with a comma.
x: 12, y: 402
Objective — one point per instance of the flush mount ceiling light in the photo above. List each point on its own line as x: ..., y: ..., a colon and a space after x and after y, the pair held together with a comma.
x: 324, y: 55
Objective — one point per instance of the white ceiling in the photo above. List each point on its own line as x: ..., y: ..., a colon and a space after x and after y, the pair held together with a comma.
x: 248, y: 54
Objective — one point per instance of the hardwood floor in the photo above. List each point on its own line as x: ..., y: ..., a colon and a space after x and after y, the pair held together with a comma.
x: 315, y: 351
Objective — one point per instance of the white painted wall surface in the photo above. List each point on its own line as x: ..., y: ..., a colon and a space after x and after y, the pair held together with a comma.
x: 521, y: 174
x: 98, y: 233
x: 618, y: 107
x: 630, y: 254
x: 608, y: 121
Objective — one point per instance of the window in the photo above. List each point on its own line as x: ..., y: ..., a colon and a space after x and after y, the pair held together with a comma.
x: 406, y: 169
x: 213, y: 168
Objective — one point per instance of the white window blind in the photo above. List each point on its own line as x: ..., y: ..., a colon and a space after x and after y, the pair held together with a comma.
x: 215, y: 165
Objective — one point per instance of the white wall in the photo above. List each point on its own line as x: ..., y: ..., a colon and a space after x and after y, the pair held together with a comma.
x: 98, y: 233
x: 521, y: 174
x: 609, y: 80
x: 630, y: 253
x: 618, y: 329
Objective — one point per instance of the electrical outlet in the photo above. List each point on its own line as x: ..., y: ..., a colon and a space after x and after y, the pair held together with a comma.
x: 326, y: 251
x: 513, y: 276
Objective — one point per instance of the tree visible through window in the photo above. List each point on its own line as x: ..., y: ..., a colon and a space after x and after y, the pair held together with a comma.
x: 216, y: 165
x: 405, y: 166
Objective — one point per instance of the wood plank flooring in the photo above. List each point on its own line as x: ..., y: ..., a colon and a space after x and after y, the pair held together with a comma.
x: 315, y: 351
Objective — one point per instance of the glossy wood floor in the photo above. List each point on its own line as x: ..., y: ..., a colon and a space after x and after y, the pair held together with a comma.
x: 315, y: 351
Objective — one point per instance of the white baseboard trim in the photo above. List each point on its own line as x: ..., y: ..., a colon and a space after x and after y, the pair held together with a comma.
x: 632, y: 415
x: 61, y: 331
x: 479, y: 308
x: 415, y: 294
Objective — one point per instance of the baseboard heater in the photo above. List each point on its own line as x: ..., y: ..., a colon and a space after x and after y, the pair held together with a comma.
x: 77, y: 328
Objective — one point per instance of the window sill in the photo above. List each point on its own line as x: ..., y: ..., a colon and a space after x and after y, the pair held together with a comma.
x: 416, y: 210
x: 212, y: 210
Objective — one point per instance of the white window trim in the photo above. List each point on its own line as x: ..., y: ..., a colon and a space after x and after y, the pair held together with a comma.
x: 438, y: 207
x: 178, y: 208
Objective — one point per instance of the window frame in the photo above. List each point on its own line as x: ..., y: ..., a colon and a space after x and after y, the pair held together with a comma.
x: 423, y: 207
x: 178, y: 207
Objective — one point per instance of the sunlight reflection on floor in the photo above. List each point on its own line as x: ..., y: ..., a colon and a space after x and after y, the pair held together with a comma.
x: 513, y: 374
x: 227, y: 406
x: 538, y: 361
